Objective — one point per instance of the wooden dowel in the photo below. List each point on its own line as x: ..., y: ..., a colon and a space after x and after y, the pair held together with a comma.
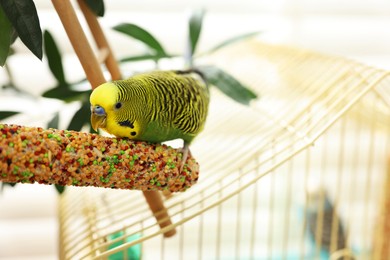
x: 100, y: 40
x: 160, y: 212
x: 79, y: 42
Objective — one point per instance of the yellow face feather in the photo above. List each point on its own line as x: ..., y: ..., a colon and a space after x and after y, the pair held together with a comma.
x: 105, y: 96
x: 105, y: 112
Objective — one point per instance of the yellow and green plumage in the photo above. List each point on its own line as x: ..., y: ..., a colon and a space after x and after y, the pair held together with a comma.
x: 156, y: 106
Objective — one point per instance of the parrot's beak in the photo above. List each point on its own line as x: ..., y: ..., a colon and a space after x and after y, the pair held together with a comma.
x: 98, y: 117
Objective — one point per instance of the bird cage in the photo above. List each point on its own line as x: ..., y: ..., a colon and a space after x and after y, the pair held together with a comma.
x: 301, y: 173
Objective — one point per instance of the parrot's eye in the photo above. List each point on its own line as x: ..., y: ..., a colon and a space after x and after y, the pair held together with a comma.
x: 98, y: 110
x: 118, y: 105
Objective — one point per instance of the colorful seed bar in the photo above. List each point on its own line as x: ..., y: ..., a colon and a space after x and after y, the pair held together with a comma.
x: 29, y: 154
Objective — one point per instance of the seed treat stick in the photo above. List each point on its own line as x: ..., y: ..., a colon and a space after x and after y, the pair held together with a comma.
x: 29, y: 154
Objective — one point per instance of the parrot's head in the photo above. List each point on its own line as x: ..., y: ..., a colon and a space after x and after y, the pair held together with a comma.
x: 108, y: 112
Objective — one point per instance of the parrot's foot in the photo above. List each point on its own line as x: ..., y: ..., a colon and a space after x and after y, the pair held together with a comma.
x: 185, y: 151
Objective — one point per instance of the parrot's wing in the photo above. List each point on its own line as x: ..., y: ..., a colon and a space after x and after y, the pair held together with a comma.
x: 193, y: 111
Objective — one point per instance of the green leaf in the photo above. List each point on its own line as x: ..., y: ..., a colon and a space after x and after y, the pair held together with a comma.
x: 227, y: 84
x: 80, y: 118
x: 54, y: 58
x: 195, y: 27
x: 54, y: 122
x: 63, y: 92
x: 60, y: 189
x: 97, y: 6
x: 5, y: 114
x: 141, y: 35
x: 231, y: 41
x: 146, y: 57
x: 5, y: 37
x: 24, y: 18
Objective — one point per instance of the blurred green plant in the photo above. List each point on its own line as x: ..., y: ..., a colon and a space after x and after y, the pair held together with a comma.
x: 18, y: 18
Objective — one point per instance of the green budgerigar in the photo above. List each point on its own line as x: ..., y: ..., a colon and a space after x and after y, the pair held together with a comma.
x: 156, y: 106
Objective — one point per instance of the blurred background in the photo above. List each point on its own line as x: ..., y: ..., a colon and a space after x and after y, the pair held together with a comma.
x: 356, y: 29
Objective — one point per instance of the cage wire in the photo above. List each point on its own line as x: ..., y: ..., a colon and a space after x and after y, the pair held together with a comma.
x: 321, y: 127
